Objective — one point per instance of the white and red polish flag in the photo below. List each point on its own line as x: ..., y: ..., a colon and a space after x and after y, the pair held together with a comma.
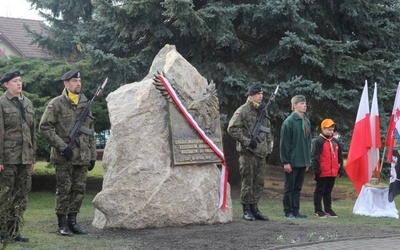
x: 373, y: 153
x: 393, y: 144
x: 357, y: 160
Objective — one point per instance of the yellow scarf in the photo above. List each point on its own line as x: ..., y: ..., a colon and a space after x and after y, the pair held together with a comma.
x: 74, y: 97
x: 256, y: 104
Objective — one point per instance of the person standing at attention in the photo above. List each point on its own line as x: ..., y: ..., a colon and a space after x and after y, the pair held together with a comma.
x: 295, y: 147
x: 72, y: 159
x: 326, y: 165
x: 17, y: 155
x: 252, y: 152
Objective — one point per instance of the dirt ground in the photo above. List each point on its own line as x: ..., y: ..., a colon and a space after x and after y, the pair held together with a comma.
x: 241, y: 234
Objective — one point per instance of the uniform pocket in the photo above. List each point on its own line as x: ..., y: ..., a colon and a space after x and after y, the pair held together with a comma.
x: 8, y: 148
x: 11, y: 116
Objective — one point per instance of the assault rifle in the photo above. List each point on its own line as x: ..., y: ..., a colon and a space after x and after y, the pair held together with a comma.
x: 258, y: 127
x: 78, y: 127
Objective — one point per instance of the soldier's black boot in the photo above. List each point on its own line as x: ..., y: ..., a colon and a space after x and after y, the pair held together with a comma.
x: 63, y: 229
x: 20, y: 238
x: 73, y: 226
x: 247, y: 215
x: 257, y: 214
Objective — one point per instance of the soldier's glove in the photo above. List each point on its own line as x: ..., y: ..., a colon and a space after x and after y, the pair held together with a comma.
x: 91, y: 165
x: 253, y: 143
x: 67, y: 153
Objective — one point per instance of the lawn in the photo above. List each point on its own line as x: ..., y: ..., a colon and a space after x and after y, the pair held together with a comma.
x: 41, y: 221
x: 43, y: 167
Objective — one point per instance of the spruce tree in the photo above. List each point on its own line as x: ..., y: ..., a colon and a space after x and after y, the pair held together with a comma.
x: 324, y: 50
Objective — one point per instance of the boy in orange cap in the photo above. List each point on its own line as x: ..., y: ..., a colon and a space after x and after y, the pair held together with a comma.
x: 326, y: 164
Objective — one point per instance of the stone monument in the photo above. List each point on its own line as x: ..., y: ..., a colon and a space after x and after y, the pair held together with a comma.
x: 157, y: 171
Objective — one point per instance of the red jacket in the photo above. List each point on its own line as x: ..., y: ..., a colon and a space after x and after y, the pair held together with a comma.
x: 326, y: 156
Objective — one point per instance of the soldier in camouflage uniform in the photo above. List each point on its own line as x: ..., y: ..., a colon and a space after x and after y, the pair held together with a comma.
x: 17, y: 155
x: 253, y: 153
x: 72, y: 162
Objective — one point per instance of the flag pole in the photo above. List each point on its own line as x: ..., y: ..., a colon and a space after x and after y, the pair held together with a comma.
x: 380, y: 169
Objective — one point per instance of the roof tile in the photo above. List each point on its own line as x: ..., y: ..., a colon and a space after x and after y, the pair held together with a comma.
x: 13, y: 31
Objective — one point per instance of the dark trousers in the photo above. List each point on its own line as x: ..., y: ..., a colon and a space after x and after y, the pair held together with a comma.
x: 323, y: 191
x: 291, y: 193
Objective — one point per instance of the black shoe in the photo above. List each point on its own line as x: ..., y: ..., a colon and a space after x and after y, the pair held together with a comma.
x: 257, y: 214
x: 331, y: 214
x: 300, y: 216
x: 290, y: 216
x: 3, y: 239
x: 20, y: 238
x: 247, y: 214
x: 76, y: 229
x: 73, y: 225
x: 320, y: 214
x: 64, y: 231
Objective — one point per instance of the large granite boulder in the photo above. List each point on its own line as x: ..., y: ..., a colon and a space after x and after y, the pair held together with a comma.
x: 141, y: 187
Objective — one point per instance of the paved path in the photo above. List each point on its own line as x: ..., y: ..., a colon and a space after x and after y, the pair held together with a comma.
x: 381, y: 243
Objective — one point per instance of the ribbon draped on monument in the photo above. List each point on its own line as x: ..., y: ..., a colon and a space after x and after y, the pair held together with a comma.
x: 206, y: 139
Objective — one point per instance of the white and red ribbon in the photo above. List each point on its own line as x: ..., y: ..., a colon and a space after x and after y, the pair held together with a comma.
x: 193, y: 123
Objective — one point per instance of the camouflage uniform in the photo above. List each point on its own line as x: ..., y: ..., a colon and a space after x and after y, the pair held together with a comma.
x: 252, y: 165
x: 56, y: 123
x: 17, y: 154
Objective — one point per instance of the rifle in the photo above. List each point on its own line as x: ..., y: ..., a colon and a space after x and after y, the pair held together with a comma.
x: 73, y: 134
x: 258, y: 127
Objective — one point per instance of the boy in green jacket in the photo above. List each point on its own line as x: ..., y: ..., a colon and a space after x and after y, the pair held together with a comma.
x: 295, y: 147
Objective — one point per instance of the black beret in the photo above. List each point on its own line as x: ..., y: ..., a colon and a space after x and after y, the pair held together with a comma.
x: 254, y: 89
x: 9, y: 75
x: 71, y: 74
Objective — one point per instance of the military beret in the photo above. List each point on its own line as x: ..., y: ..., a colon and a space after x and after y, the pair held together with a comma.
x: 298, y: 98
x: 9, y: 76
x: 254, y: 89
x: 71, y: 74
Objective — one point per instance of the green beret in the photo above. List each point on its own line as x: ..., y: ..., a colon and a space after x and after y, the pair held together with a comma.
x: 254, y: 89
x: 298, y: 98
x: 71, y: 74
x: 9, y: 76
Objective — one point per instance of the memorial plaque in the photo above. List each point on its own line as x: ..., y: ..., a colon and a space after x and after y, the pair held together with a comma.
x: 187, y: 145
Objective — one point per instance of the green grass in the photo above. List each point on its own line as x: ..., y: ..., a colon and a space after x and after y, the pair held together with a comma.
x: 41, y: 221
x: 42, y: 167
x: 41, y: 225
